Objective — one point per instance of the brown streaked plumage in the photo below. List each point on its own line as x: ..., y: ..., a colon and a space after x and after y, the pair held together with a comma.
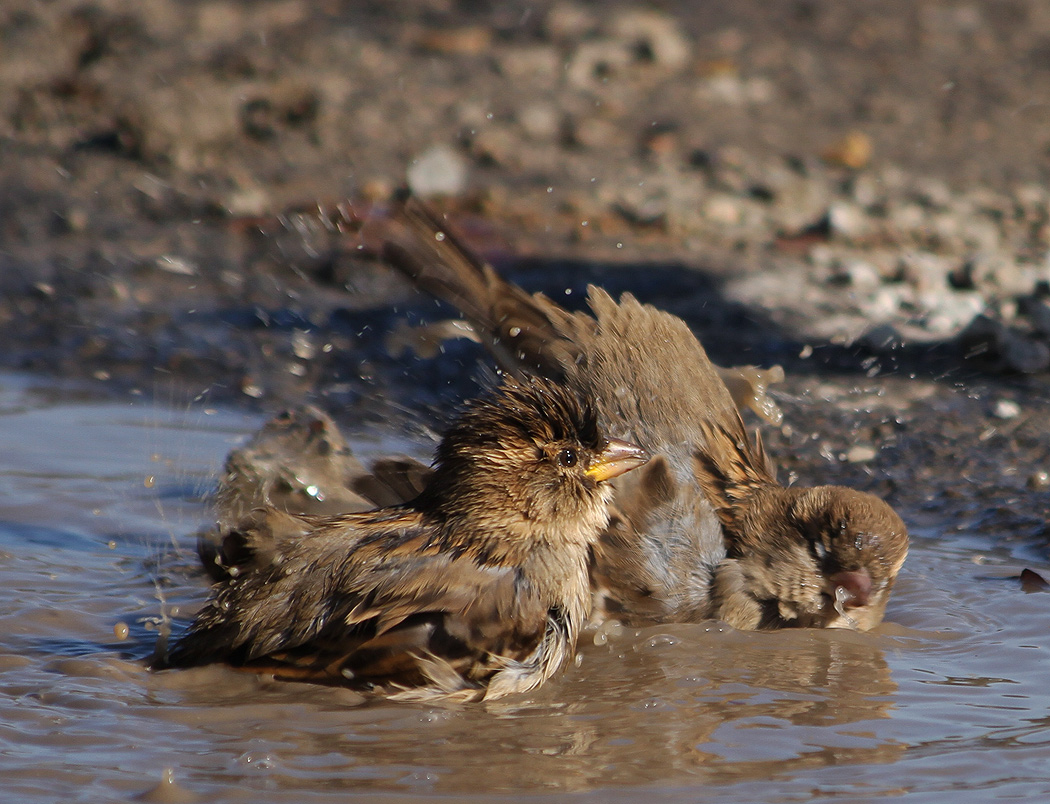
x: 318, y: 481
x: 823, y: 557
x: 476, y: 588
x: 704, y: 530
x: 300, y: 463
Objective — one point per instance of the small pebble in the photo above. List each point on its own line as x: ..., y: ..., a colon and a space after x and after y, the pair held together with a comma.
x: 852, y: 151
x: 438, y: 171
x: 861, y: 453
x: 1006, y: 409
x: 656, y: 35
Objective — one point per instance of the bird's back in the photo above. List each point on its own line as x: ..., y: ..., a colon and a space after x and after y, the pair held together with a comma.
x: 654, y: 383
x: 651, y: 376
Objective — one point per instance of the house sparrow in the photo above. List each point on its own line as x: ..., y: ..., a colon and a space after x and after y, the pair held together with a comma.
x: 300, y: 463
x: 704, y: 531
x: 477, y: 588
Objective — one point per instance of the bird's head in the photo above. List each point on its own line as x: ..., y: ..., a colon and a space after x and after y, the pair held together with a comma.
x: 824, y: 557
x: 530, y: 461
x: 855, y: 545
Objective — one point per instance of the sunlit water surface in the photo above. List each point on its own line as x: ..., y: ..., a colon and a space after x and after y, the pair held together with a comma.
x: 949, y: 701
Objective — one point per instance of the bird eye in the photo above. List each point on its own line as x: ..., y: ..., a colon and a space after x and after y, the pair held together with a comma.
x: 568, y: 458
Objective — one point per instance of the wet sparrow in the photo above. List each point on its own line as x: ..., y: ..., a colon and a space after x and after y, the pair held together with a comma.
x: 476, y: 588
x: 299, y: 463
x: 704, y: 530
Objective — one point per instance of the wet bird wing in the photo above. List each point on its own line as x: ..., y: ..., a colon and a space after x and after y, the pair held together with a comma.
x: 393, y: 480
x: 362, y: 598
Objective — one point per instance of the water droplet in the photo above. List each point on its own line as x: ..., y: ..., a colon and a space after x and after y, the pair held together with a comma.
x: 841, y: 596
x: 260, y: 761
x: 150, y: 481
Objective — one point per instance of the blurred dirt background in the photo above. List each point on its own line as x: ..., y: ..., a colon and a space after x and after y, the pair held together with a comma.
x: 191, y: 192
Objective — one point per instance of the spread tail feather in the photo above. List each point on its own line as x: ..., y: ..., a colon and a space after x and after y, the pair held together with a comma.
x: 523, y: 330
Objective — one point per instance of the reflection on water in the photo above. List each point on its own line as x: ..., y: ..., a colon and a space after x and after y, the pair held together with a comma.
x: 98, y: 506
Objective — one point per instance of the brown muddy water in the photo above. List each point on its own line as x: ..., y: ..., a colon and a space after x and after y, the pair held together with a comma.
x: 947, y: 701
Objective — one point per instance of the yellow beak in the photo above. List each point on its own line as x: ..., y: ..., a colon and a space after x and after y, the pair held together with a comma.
x: 617, y: 457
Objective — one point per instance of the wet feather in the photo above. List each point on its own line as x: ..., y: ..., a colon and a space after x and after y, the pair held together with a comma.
x: 704, y: 530
x: 478, y: 586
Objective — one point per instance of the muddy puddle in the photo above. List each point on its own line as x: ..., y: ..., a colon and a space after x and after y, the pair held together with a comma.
x: 99, y: 501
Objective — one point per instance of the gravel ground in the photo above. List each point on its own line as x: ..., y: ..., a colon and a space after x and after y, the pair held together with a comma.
x: 189, y: 192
